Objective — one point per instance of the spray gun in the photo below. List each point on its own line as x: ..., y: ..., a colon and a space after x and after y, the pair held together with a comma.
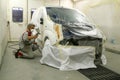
x: 38, y: 31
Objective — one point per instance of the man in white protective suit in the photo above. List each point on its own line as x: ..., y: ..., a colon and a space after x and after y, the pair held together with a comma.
x: 27, y: 44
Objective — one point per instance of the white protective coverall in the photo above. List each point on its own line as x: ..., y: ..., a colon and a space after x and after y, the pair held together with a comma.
x: 27, y: 47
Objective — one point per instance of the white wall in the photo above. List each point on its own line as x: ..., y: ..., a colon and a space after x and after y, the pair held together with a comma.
x: 34, y: 4
x: 56, y: 3
x: 51, y: 3
x: 3, y: 28
x: 0, y: 32
x: 66, y: 3
x: 105, y: 13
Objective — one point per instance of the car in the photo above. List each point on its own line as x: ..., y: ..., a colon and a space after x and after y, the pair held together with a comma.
x: 69, y: 27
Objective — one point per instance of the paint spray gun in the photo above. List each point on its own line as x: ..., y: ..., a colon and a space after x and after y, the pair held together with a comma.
x: 38, y: 31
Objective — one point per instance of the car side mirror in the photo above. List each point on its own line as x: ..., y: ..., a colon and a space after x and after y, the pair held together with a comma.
x: 41, y: 21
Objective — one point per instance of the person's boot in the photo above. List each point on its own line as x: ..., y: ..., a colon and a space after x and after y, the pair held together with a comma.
x: 18, y: 54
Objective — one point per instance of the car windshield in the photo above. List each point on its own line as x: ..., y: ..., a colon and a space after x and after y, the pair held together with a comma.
x: 63, y: 15
x: 70, y: 18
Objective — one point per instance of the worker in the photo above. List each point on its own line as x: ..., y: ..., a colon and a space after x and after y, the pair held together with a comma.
x: 27, y: 43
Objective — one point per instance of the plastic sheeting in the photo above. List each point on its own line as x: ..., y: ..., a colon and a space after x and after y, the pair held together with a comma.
x: 68, y: 57
x: 76, y: 22
x: 82, y: 42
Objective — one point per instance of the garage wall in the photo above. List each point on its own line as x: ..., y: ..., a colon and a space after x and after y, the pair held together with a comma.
x: 66, y: 3
x: 51, y: 3
x: 34, y: 4
x: 63, y: 3
x: 104, y: 13
x: 3, y: 28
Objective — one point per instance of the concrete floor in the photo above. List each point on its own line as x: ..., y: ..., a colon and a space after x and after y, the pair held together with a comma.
x: 31, y: 69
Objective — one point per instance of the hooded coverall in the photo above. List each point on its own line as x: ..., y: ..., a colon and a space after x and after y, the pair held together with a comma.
x: 27, y: 47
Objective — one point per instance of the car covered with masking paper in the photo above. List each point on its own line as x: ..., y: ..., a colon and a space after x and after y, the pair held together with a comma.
x: 70, y: 41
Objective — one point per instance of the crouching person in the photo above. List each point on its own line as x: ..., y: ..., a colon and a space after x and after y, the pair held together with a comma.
x: 27, y: 43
